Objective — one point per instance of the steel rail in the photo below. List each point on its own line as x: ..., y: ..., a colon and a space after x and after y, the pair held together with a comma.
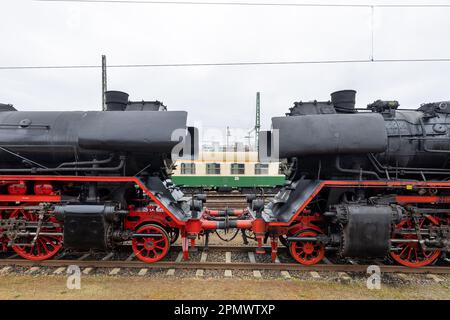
x: 222, y: 266
x: 231, y: 248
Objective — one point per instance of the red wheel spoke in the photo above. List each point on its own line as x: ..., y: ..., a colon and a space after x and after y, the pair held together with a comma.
x: 415, y: 254
x: 44, y: 247
x: 37, y: 246
x: 403, y: 251
x: 409, y: 253
x: 48, y: 243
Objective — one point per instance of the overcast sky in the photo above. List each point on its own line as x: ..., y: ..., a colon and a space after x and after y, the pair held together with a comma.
x: 39, y: 33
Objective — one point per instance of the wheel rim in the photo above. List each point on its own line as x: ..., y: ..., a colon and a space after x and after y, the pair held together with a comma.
x: 44, y: 247
x: 307, y: 252
x: 412, y: 254
x: 153, y: 248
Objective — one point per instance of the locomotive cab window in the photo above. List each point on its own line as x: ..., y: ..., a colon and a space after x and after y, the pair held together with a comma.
x: 188, y: 168
x: 213, y: 168
x: 237, y: 168
x: 261, y: 168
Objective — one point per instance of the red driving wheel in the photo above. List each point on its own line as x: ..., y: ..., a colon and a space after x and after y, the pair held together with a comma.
x: 307, y: 252
x: 151, y: 248
x: 411, y: 254
x: 45, y: 246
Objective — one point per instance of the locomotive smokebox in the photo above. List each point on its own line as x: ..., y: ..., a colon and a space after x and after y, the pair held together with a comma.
x: 116, y: 100
x: 344, y: 100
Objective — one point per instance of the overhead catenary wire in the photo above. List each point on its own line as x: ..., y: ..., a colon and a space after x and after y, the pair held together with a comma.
x: 245, y: 63
x: 271, y: 4
x: 225, y: 64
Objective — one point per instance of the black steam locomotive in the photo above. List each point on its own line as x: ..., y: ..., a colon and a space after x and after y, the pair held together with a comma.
x: 364, y: 182
x: 91, y: 180
x: 334, y: 140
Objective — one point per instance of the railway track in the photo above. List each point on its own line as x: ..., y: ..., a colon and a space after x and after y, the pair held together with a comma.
x: 235, y: 200
x: 105, y: 262
x: 220, y: 201
x: 222, y: 266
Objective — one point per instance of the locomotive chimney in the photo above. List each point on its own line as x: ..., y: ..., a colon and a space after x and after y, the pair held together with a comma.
x: 116, y: 100
x: 344, y: 100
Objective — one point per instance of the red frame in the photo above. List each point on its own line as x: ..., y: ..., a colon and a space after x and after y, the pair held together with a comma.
x: 326, y: 183
x: 146, y: 214
x: 29, y: 198
x: 84, y: 179
x: 323, y: 184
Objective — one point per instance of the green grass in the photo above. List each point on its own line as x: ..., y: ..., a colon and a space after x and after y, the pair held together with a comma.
x: 107, y: 287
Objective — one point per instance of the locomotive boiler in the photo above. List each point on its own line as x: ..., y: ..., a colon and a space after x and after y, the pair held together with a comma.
x: 363, y: 183
x: 125, y: 139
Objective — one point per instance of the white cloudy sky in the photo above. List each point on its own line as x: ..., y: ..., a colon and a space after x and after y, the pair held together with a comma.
x: 39, y: 33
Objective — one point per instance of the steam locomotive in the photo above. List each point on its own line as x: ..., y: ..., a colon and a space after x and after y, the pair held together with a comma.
x: 91, y: 180
x: 364, y: 183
